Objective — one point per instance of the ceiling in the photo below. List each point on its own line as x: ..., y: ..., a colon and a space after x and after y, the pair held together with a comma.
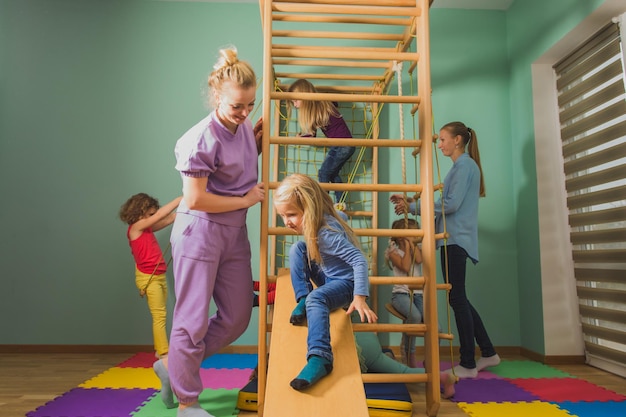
x: 443, y: 4
x: 473, y: 4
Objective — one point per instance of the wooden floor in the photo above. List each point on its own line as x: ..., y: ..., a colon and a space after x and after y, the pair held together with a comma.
x: 29, y: 380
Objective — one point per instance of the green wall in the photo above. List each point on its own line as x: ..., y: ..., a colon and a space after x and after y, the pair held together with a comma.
x: 533, y: 26
x: 94, y: 94
x: 470, y: 78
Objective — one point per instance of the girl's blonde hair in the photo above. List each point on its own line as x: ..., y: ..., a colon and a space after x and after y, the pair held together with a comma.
x: 229, y: 68
x: 471, y: 141
x: 312, y: 115
x: 305, y: 194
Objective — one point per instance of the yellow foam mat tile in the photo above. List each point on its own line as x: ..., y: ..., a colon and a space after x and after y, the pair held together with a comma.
x: 521, y: 409
x: 124, y: 378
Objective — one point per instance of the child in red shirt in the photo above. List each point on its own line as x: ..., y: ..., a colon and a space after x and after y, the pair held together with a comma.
x: 144, y: 217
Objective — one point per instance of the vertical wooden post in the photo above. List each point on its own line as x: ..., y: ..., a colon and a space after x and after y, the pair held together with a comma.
x: 266, y: 13
x: 429, y: 269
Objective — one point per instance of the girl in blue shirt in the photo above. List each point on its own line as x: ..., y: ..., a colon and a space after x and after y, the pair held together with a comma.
x: 330, y: 257
x: 462, y: 188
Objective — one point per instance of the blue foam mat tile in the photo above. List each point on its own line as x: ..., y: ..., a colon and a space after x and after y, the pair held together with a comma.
x: 594, y: 408
x: 231, y: 361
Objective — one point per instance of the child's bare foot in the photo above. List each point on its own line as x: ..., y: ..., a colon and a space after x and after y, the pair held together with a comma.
x: 447, y: 381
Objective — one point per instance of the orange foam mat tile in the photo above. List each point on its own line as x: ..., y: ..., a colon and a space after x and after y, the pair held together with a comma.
x: 522, y: 409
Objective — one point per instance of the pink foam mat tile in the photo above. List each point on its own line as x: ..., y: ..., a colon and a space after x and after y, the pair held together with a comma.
x: 139, y: 360
x: 225, y: 378
x: 566, y: 389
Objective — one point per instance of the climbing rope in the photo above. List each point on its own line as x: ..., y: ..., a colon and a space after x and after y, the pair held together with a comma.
x: 443, y: 219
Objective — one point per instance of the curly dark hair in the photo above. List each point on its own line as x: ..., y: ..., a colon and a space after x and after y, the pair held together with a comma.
x: 136, y: 207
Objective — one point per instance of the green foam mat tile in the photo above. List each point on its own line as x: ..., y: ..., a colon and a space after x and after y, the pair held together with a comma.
x: 218, y: 402
x: 527, y: 369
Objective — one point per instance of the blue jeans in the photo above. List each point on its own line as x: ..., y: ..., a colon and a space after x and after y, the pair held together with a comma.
x: 335, y: 159
x: 329, y: 295
x: 468, y: 322
x: 414, y: 314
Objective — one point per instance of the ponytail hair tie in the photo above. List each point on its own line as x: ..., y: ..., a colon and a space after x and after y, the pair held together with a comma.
x: 469, y: 130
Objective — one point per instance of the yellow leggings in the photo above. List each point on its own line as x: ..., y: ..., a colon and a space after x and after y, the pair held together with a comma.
x: 156, y: 294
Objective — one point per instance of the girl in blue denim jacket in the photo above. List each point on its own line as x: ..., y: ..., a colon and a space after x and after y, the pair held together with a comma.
x: 330, y: 257
x: 462, y: 187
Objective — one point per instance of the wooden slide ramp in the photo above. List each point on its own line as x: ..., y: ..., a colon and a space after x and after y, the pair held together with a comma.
x: 339, y: 394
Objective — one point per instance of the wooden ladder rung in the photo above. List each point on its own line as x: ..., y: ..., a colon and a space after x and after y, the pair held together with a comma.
x: 389, y: 21
x: 375, y: 10
x: 355, y: 98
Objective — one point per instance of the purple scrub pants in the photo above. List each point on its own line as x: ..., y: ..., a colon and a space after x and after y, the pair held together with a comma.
x: 211, y: 261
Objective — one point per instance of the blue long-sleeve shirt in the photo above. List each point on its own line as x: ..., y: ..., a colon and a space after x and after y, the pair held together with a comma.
x: 340, y: 258
x: 461, y: 191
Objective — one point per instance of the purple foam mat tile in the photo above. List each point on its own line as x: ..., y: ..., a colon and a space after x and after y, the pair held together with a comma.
x: 476, y: 390
x: 443, y: 365
x: 487, y: 375
x: 86, y: 402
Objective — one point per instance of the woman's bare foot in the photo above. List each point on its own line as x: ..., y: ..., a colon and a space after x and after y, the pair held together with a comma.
x: 447, y: 381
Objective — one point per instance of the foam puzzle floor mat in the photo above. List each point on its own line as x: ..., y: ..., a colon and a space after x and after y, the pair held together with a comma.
x: 512, y: 389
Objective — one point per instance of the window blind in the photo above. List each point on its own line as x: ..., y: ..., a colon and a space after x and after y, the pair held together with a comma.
x: 592, y: 114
